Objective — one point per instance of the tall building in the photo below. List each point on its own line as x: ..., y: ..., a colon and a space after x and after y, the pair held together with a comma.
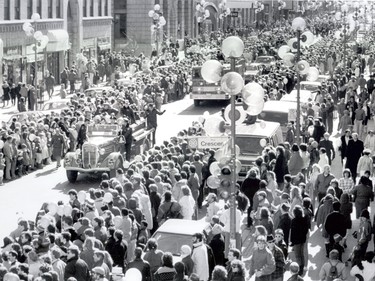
x: 72, y: 26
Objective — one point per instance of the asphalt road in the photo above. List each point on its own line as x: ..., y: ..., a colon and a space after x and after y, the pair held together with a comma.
x: 24, y: 197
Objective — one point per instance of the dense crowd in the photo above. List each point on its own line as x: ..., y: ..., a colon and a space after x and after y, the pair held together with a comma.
x: 103, y: 234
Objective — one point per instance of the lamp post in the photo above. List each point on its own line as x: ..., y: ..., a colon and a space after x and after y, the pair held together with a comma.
x: 298, y: 25
x: 232, y: 48
x: 41, y: 42
x: 158, y: 21
x: 344, y: 33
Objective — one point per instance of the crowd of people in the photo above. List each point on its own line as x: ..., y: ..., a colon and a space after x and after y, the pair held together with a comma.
x: 104, y: 233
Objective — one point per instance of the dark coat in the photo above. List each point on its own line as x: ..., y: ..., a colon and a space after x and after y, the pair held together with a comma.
x: 335, y: 223
x: 285, y: 224
x: 78, y: 269
x: 58, y: 144
x: 189, y: 265
x: 249, y: 187
x: 298, y: 230
x: 118, y: 253
x: 218, y: 245
x: 281, y: 169
x: 356, y: 149
x: 142, y: 266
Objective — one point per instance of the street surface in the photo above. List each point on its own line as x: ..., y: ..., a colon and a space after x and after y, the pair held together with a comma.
x: 23, y: 197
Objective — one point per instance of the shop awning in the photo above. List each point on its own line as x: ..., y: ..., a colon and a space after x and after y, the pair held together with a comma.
x: 58, y: 40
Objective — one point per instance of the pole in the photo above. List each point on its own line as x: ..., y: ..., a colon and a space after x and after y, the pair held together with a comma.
x: 233, y: 208
x: 36, y: 73
x: 298, y: 89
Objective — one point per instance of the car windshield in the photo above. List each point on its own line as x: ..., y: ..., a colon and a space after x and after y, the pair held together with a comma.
x: 309, y: 87
x: 249, y: 144
x: 264, y: 60
x: 172, y: 242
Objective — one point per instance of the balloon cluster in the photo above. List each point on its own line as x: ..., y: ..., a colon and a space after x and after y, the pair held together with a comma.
x: 201, y: 12
x: 282, y: 4
x: 41, y: 40
x: 157, y: 18
x: 289, y: 59
x: 313, y: 5
x: 259, y: 6
x: 225, y: 11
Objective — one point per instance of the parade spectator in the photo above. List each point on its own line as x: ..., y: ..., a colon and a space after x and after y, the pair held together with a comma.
x: 200, y: 257
x: 362, y: 195
x: 262, y: 262
x: 333, y: 268
x: 166, y: 272
x: 355, y: 146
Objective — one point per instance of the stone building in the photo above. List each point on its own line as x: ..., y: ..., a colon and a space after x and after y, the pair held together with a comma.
x: 72, y: 27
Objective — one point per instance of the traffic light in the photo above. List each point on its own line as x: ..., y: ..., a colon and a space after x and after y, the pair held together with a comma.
x: 225, y: 180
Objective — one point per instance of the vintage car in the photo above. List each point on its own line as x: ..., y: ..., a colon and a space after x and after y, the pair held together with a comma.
x: 102, y: 151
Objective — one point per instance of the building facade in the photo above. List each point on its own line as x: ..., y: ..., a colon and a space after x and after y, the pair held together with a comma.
x: 73, y: 27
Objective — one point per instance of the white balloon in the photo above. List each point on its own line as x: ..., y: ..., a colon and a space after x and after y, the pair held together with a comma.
x: 157, y: 7
x: 233, y: 46
x: 313, y: 74
x: 232, y: 83
x: 214, y: 126
x: 283, y: 50
x: 151, y: 13
x: 211, y: 71
x: 38, y: 35
x: 108, y: 197
x: 215, y: 169
x: 213, y: 182
x: 291, y: 43
x: 1, y: 144
x: 289, y: 59
x: 52, y: 208
x: 81, y: 196
x: 133, y: 274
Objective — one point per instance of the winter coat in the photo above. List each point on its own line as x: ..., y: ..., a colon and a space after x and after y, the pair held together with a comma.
x: 298, y: 230
x: 346, y: 209
x: 249, y: 187
x: 323, y: 211
x: 58, y: 145
x: 78, y: 269
x: 295, y: 164
x: 217, y: 245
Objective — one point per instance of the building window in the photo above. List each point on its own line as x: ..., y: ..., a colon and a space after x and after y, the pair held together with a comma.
x: 17, y: 6
x: 29, y: 8
x: 58, y: 8
x: 39, y: 7
x: 50, y: 9
x: 106, y: 8
x: 84, y: 8
x: 100, y: 8
x: 7, y: 10
x: 91, y: 8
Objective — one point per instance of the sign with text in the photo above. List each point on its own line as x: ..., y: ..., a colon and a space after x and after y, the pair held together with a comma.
x: 204, y: 142
x: 239, y: 4
x: 234, y: 14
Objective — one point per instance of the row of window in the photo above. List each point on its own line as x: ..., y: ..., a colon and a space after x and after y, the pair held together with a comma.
x: 91, y: 4
x: 29, y: 7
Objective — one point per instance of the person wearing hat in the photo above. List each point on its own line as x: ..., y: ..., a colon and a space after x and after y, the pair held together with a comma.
x: 262, y: 262
x: 328, y: 145
x: 365, y: 163
x: 217, y: 244
x: 278, y: 274
x: 98, y: 274
x: 333, y: 268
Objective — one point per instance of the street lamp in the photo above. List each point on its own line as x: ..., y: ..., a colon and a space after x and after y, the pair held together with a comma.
x: 344, y: 32
x: 158, y: 21
x: 41, y: 41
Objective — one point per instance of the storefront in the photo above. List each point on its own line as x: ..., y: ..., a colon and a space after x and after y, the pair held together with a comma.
x: 89, y: 48
x: 30, y: 64
x: 12, y: 64
x: 104, y: 46
x: 56, y: 51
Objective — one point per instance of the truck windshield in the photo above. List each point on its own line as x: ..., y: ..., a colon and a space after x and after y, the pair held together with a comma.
x: 172, y: 242
x: 249, y: 144
x: 274, y: 116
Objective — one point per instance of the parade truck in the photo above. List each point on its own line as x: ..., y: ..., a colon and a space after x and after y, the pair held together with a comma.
x: 202, y: 90
x: 101, y: 153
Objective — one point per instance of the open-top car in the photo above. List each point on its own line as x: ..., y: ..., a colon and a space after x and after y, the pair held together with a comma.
x: 102, y: 151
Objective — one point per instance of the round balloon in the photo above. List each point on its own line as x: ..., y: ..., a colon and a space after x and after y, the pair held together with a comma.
x: 213, y: 182
x: 232, y: 46
x: 211, y: 71
x: 219, y: 154
x: 263, y: 142
x: 44, y: 222
x: 52, y: 208
x: 253, y: 98
x: 68, y: 210
x: 108, y: 197
x: 133, y: 274
x: 1, y: 144
x: 215, y: 169
x: 309, y: 38
x: 283, y: 50
x: 117, y: 220
x: 60, y: 210
x: 303, y: 67
x: 214, y: 126
x: 232, y: 83
x: 81, y: 196
x: 291, y: 43
x: 289, y: 60
x: 313, y: 74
